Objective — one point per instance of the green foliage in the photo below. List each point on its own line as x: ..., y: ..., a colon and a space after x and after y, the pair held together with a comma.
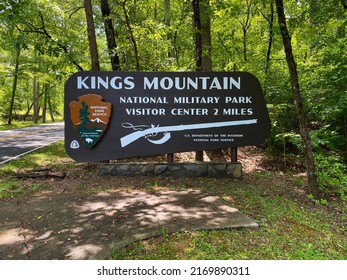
x: 320, y: 201
x: 332, y: 175
x: 52, y: 39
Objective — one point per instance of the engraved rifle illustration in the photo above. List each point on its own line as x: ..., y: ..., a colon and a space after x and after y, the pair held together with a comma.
x: 152, y: 130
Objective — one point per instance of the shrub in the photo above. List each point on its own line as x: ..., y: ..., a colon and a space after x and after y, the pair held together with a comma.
x: 331, y: 175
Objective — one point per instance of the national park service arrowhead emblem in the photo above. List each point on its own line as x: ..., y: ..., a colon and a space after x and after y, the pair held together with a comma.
x: 90, y: 117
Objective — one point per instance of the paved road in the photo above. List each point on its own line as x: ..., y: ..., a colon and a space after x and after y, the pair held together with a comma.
x: 17, y: 142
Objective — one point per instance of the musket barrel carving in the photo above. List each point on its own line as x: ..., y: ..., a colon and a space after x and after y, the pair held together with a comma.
x: 128, y: 139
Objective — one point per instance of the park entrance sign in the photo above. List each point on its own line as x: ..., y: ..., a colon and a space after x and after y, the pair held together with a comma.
x: 114, y: 115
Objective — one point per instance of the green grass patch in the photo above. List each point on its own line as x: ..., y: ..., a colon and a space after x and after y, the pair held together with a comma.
x: 16, y: 124
x: 20, y: 124
x: 289, y: 229
x: 12, y: 188
x: 283, y: 238
x: 53, y: 157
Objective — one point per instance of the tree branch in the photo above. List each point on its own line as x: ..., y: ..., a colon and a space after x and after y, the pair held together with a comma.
x: 43, y: 31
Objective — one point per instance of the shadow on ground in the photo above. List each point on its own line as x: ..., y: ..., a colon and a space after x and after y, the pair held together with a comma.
x: 88, y: 227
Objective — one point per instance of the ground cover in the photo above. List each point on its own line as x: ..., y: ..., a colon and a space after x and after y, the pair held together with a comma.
x: 272, y: 192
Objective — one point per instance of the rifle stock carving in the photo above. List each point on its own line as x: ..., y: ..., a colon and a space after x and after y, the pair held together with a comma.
x: 154, y: 130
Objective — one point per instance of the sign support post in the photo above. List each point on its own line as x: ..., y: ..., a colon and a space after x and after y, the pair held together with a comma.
x: 170, y: 158
x: 233, y: 154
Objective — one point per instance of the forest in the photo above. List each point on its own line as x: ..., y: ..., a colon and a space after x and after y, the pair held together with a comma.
x: 44, y: 42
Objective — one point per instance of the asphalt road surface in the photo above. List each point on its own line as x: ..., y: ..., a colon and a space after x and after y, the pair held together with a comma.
x: 17, y: 142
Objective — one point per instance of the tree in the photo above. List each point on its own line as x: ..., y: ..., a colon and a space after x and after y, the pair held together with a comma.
x: 15, y: 82
x: 110, y: 35
x: 202, y: 36
x: 270, y: 19
x: 313, y: 187
x: 167, y: 20
x: 245, y: 24
x: 131, y: 34
x: 93, y: 47
x: 36, y: 96
x: 84, y: 114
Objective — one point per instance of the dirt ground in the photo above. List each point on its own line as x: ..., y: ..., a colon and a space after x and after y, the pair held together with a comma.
x: 82, y: 178
x: 287, y: 178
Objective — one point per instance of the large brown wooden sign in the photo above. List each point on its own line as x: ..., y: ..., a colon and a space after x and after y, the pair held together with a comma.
x: 113, y: 115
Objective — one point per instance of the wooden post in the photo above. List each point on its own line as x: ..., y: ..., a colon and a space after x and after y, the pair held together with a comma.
x: 233, y: 154
x: 170, y: 158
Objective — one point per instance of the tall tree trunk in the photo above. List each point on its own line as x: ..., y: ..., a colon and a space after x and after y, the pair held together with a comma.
x: 271, y: 34
x: 202, y: 37
x: 50, y: 108
x: 93, y: 47
x: 245, y: 26
x: 270, y: 20
x: 132, y: 37
x: 44, y: 107
x: 167, y: 20
x: 197, y: 34
x: 110, y: 36
x: 14, y: 86
x: 36, y: 96
x: 313, y: 187
x: 341, y: 29
x: 28, y: 111
x: 206, y: 36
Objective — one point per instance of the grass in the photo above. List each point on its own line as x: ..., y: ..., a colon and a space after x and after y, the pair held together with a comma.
x: 19, y: 124
x: 53, y: 157
x: 292, y: 226
x: 288, y: 230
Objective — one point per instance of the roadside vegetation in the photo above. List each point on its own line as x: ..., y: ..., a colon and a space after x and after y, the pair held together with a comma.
x: 292, y: 224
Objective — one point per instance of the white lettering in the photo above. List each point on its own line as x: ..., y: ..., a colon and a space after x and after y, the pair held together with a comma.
x: 129, y: 82
x: 177, y: 83
x: 182, y: 83
x: 102, y: 82
x: 94, y: 82
x: 204, y: 82
x: 215, y: 84
x: 145, y: 111
x: 144, y: 100
x: 115, y: 85
x: 149, y: 85
x: 238, y: 99
x: 167, y: 85
x: 192, y: 83
x: 238, y: 111
x: 82, y: 83
x: 189, y: 112
x: 196, y: 99
x: 237, y: 84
